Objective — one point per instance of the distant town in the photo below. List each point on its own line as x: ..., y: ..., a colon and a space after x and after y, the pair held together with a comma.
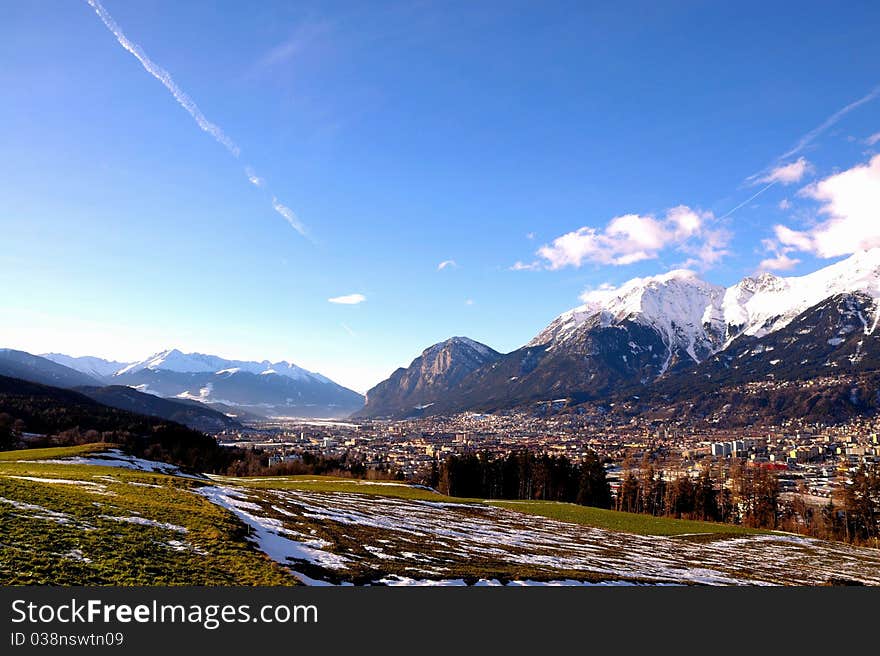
x: 809, y: 459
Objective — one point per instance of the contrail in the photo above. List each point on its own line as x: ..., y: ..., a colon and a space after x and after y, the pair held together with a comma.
x: 810, y: 136
x: 165, y: 78
x: 190, y: 106
x: 253, y: 178
x: 805, y: 140
x: 291, y: 218
x: 747, y: 201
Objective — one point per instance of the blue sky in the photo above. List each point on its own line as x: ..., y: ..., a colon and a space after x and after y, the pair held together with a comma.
x: 541, y: 149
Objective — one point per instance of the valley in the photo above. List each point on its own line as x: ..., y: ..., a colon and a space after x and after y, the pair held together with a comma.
x: 91, y: 515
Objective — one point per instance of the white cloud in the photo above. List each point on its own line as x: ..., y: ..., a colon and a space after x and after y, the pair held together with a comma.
x: 530, y: 235
x: 289, y: 216
x: 790, y: 173
x: 686, y: 221
x: 709, y: 250
x: 603, y: 291
x: 780, y: 262
x: 447, y: 264
x: 469, y: 301
x: 784, y: 204
x: 522, y: 266
x: 851, y: 202
x: 253, y: 178
x: 873, y: 139
x: 632, y: 238
x: 798, y: 240
x: 348, y: 299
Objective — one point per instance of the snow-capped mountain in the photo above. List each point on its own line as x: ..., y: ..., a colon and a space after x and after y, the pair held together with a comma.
x: 700, y: 318
x: 761, y: 305
x: 89, y: 365
x: 677, y: 329
x: 682, y: 308
x: 261, y: 388
x: 175, y: 360
x: 428, y: 378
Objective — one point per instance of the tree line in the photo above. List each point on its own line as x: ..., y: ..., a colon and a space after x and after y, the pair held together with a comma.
x: 851, y: 515
x: 746, y: 495
x: 523, y: 475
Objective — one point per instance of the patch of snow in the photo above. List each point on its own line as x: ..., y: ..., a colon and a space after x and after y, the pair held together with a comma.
x: 143, y: 521
x: 91, y: 487
x: 116, y: 458
x: 269, y: 532
x: 41, y: 512
x: 395, y: 581
x: 77, y: 554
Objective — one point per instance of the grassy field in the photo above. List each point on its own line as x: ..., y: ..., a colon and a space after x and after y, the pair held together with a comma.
x: 312, y: 483
x: 567, y: 512
x: 622, y: 521
x: 93, y: 525
x: 54, y: 452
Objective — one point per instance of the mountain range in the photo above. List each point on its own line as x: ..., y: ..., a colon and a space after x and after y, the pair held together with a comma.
x: 232, y: 387
x: 666, y: 336
x: 671, y: 340
x: 20, y: 369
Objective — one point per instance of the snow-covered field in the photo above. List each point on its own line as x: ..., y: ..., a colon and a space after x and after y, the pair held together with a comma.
x: 338, y: 537
x: 345, y: 538
x: 116, y: 458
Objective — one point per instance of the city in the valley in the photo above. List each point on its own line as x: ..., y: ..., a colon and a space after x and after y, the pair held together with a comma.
x: 810, y: 460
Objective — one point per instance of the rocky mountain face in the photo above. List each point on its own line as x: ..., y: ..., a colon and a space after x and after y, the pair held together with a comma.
x: 429, y: 378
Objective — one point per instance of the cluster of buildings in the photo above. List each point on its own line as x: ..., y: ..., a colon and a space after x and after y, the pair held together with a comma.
x: 811, y: 458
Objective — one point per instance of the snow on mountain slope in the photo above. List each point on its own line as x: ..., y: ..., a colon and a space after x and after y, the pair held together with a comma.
x: 175, y: 360
x: 700, y: 318
x: 683, y: 309
x: 92, y: 366
x: 764, y: 304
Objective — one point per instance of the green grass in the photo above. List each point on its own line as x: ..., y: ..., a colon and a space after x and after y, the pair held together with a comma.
x: 311, y: 483
x: 65, y: 534
x: 54, y: 452
x: 615, y: 520
x: 57, y: 533
x: 612, y: 520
